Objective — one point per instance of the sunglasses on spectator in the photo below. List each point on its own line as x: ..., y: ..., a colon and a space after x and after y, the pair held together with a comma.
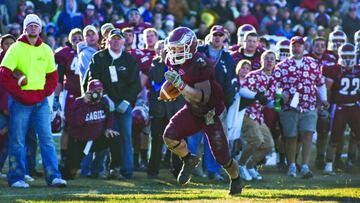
x: 218, y: 34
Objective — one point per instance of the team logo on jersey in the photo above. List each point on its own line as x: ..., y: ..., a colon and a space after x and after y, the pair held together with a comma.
x: 95, y: 115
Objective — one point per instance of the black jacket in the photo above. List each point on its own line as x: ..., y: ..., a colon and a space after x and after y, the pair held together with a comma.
x: 128, y: 85
x: 224, y: 73
x: 160, y: 109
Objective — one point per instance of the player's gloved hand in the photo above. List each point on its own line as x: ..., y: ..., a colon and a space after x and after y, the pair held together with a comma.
x: 56, y: 104
x: 261, y: 98
x: 174, y: 78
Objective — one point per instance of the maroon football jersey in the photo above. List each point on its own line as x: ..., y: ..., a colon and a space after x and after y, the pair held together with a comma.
x: 138, y: 42
x: 346, y: 84
x: 89, y: 121
x: 66, y: 58
x: 143, y: 58
x: 255, y: 59
x: 199, y: 69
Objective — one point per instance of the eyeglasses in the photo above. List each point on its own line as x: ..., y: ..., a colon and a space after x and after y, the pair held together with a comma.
x: 218, y: 34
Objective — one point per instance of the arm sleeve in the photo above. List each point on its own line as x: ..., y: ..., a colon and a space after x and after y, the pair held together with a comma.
x: 247, y: 93
x: 229, y: 86
x: 133, y: 82
x: 51, y: 75
x: 61, y: 73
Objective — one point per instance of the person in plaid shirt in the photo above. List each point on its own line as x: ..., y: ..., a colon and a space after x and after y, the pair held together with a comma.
x: 301, y: 79
x: 255, y: 134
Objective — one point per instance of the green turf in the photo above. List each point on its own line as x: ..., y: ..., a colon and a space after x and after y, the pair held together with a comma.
x: 275, y: 187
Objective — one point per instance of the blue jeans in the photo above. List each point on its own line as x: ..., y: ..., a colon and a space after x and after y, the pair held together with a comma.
x: 122, y: 124
x: 31, y: 149
x: 210, y: 163
x: 21, y: 118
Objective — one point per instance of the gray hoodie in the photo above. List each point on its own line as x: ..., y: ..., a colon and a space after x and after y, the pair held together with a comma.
x: 85, y: 54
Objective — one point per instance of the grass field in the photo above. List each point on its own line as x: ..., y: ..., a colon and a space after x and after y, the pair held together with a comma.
x: 275, y: 187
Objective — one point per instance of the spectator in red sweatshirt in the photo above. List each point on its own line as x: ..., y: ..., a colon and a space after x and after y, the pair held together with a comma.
x: 90, y: 123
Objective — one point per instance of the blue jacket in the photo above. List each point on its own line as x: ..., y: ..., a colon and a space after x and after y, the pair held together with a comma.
x: 224, y: 73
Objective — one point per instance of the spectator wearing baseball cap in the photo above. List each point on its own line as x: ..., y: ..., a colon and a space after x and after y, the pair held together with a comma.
x: 298, y: 115
x: 119, y: 73
x: 105, y: 29
x: 87, y: 49
x: 90, y: 129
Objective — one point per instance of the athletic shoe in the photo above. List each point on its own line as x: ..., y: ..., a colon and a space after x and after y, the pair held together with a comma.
x: 244, y: 173
x: 58, y: 182
x: 20, y: 184
x: 115, y: 174
x: 29, y: 178
x: 188, y: 167
x: 305, y: 172
x: 328, y: 170
x: 254, y: 174
x: 292, y: 170
x: 236, y: 186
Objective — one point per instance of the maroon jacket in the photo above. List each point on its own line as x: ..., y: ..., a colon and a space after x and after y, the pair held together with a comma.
x: 89, y: 121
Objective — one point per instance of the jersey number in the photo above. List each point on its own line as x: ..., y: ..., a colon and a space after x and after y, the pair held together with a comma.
x: 348, y: 85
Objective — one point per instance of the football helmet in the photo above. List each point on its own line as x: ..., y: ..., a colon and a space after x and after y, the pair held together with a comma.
x: 180, y: 45
x: 57, y: 122
x: 140, y: 116
x: 336, y: 39
x: 282, y: 49
x: 347, y: 55
x: 357, y: 40
x: 242, y: 30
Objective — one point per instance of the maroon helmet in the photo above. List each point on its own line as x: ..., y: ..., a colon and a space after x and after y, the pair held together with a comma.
x: 336, y: 39
x: 57, y: 122
x: 357, y: 40
x: 140, y: 116
x: 242, y: 30
x: 347, y: 55
x: 183, y: 40
x: 282, y: 49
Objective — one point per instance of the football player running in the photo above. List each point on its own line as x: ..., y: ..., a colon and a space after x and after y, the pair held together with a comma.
x: 192, y: 74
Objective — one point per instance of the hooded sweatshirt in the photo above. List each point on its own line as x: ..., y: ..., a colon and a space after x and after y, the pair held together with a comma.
x: 85, y: 54
x: 37, y: 63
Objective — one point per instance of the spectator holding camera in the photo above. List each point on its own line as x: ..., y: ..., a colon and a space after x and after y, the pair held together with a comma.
x: 119, y: 73
x: 90, y: 129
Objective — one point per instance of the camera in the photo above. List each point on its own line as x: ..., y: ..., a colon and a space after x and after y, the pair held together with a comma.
x: 95, y: 96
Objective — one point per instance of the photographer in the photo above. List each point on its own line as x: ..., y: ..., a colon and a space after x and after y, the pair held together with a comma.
x: 90, y: 129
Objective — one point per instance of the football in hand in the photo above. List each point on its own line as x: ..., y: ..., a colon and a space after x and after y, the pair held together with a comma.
x: 19, y: 77
x: 168, y: 91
